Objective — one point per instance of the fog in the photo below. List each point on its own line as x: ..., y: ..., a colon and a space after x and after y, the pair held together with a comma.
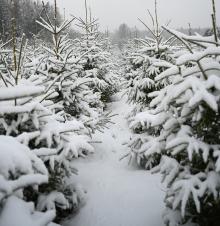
x: 112, y: 13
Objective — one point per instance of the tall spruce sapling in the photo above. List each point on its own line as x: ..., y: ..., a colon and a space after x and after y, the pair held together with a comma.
x: 187, y: 111
x: 20, y: 167
x: 29, y: 114
x: 154, y: 56
x: 95, y: 61
x: 63, y: 65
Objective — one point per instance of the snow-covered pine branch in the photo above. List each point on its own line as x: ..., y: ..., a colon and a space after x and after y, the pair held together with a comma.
x: 186, y: 111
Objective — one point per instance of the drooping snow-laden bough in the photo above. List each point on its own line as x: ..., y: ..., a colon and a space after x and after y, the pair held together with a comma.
x: 178, y: 125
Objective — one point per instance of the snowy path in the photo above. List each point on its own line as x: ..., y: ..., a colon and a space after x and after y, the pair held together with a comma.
x: 118, y: 194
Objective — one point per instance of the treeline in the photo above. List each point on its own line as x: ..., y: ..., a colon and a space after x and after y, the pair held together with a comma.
x: 124, y: 33
x: 25, y: 12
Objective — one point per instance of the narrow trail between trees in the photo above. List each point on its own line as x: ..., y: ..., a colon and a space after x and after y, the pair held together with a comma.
x: 118, y: 194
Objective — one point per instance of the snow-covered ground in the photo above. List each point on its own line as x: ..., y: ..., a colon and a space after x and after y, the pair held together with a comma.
x: 118, y: 194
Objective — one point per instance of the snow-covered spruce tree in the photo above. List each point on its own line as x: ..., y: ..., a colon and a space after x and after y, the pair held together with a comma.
x: 130, y: 48
x: 96, y: 57
x: 63, y: 66
x: 187, y: 111
x: 28, y: 114
x: 113, y: 65
x: 20, y: 168
x: 154, y: 56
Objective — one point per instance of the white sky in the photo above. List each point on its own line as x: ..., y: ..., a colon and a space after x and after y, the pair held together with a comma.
x: 112, y: 13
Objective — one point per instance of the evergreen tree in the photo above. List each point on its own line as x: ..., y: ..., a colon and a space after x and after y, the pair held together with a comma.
x: 4, y: 19
x: 25, y: 13
x: 63, y: 65
x: 154, y: 55
x: 20, y: 168
x: 187, y: 113
x: 184, y: 144
x: 29, y: 114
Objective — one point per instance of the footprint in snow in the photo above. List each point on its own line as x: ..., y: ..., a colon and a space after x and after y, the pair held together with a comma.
x: 114, y: 136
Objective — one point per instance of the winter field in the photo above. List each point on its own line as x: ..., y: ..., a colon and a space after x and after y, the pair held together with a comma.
x: 117, y: 190
x: 107, y: 128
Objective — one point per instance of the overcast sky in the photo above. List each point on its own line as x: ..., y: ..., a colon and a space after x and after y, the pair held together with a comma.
x: 112, y: 13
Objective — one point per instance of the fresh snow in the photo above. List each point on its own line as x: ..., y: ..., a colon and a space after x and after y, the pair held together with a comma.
x: 19, y: 91
x: 19, y: 213
x: 118, y: 194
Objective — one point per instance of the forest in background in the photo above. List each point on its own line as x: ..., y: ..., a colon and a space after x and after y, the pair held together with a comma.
x: 26, y: 12
x: 58, y: 98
